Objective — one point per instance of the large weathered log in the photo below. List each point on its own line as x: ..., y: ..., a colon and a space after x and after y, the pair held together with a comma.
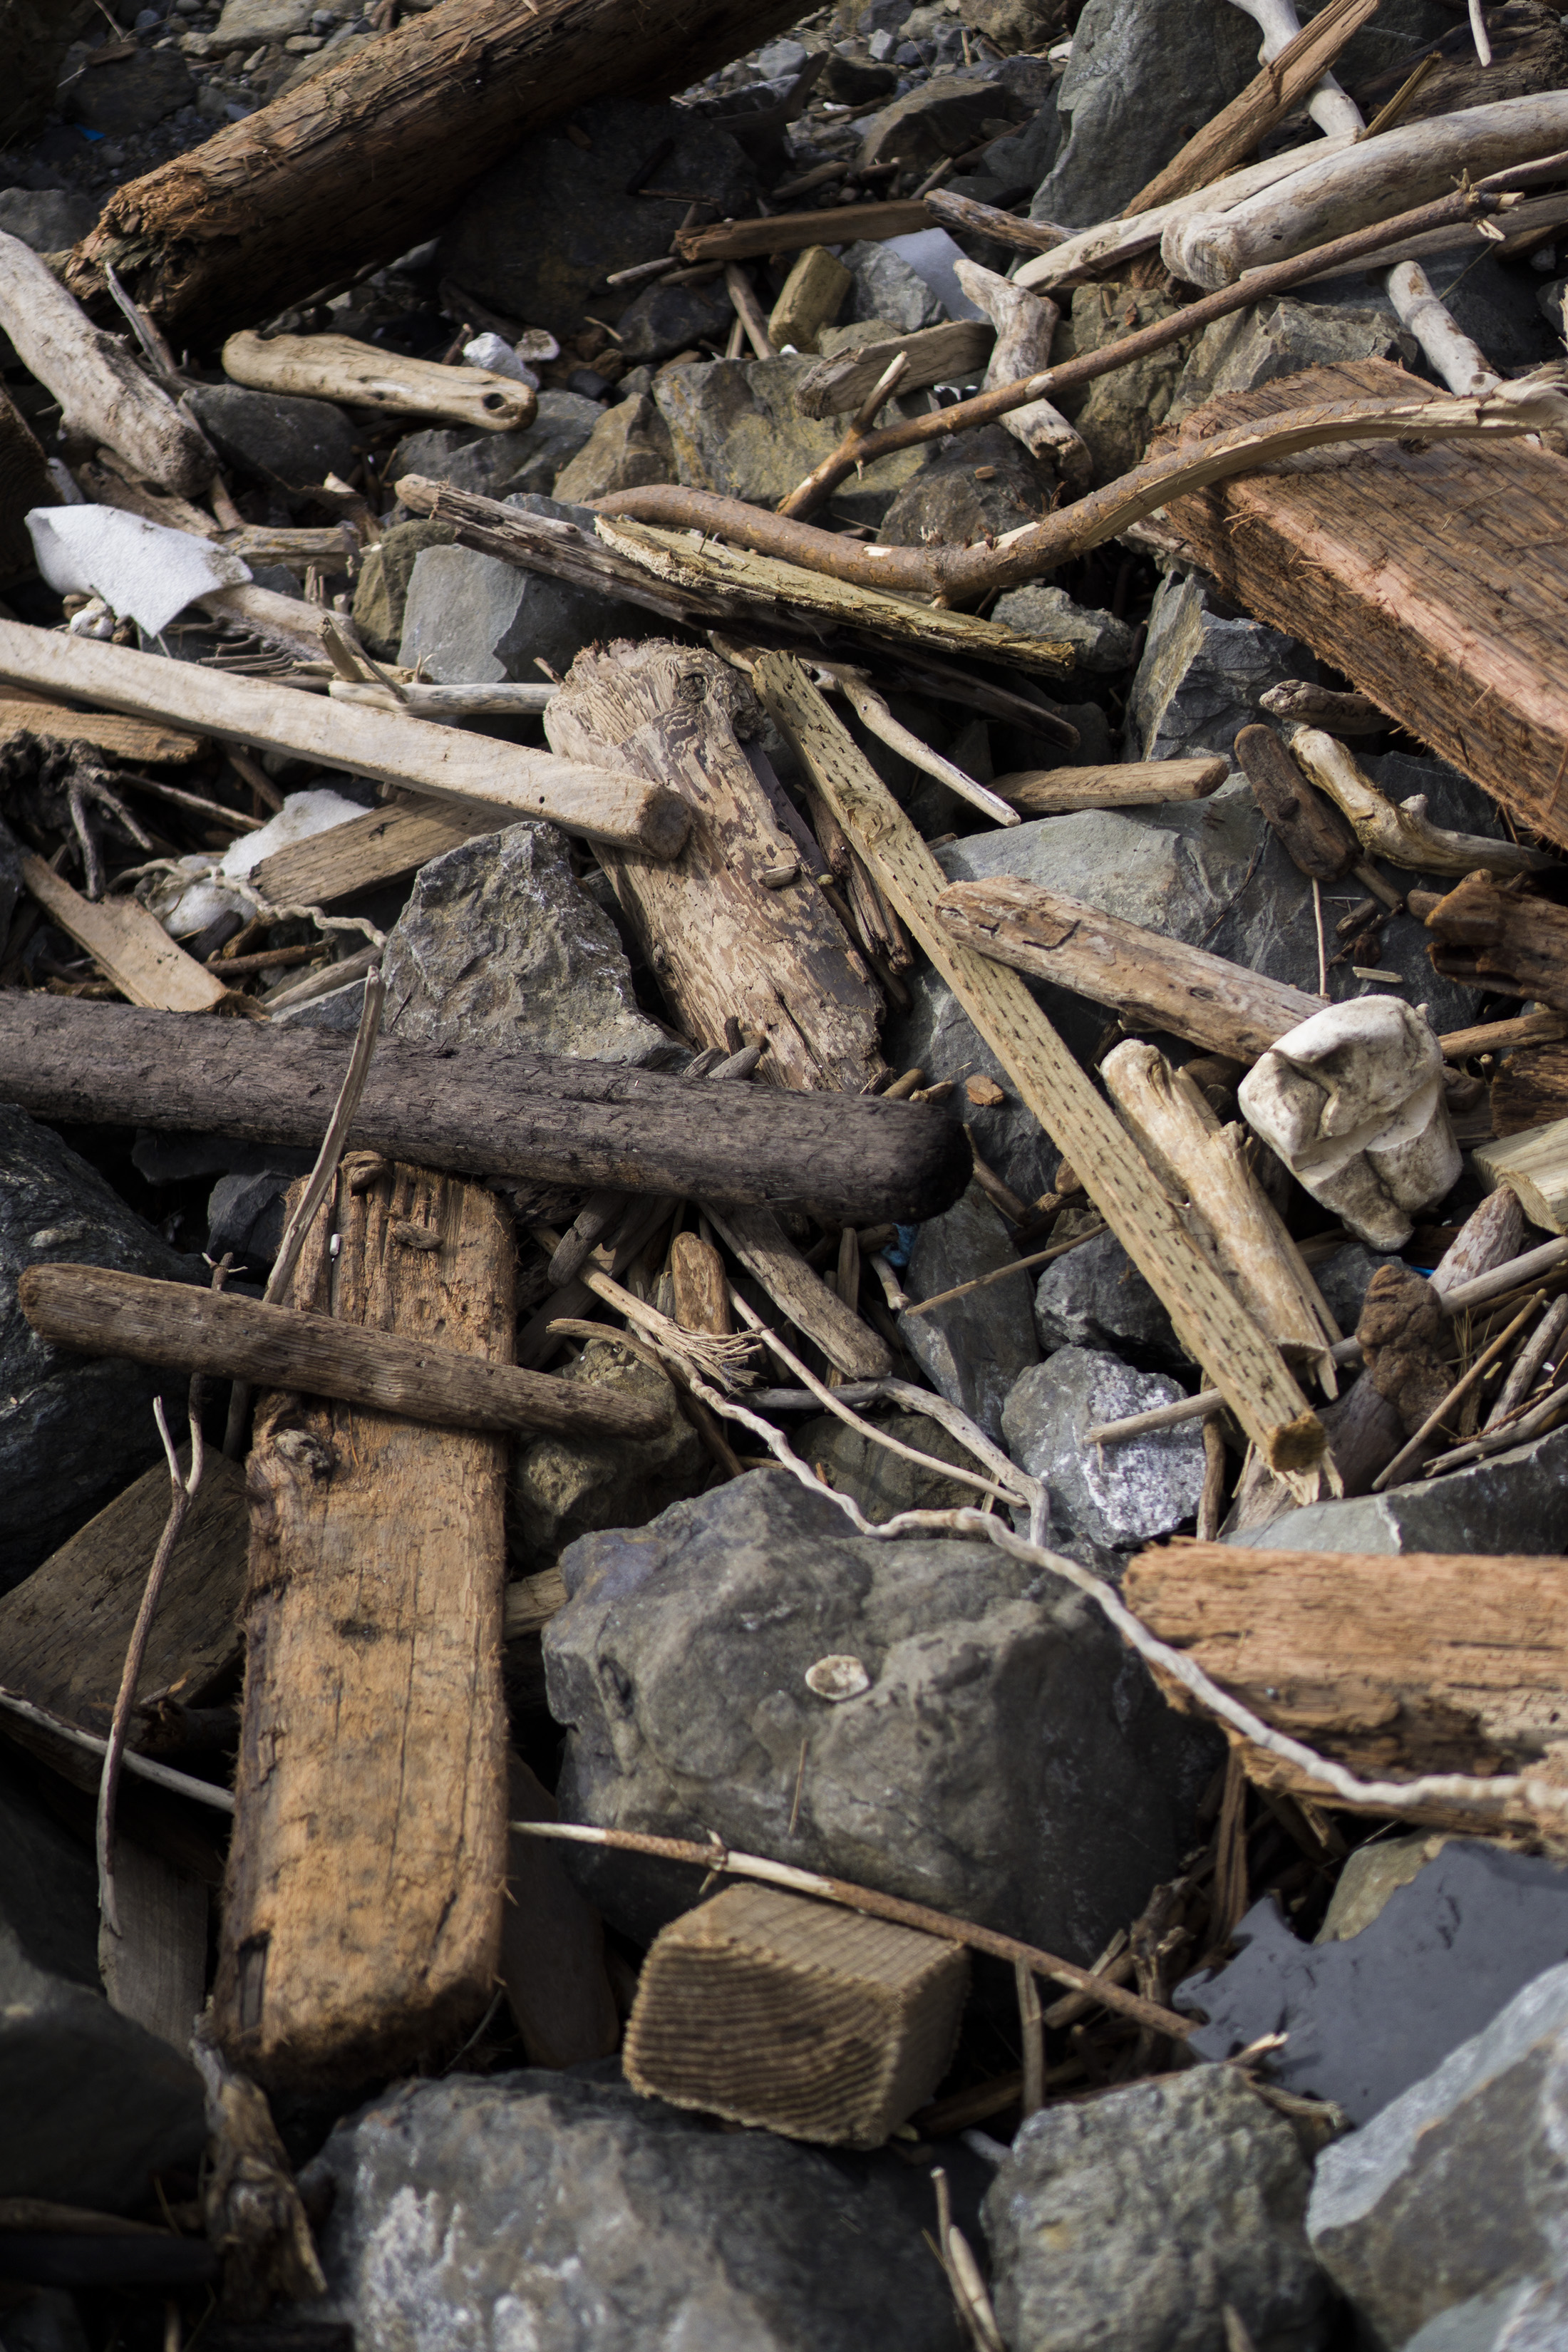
x: 551, y: 1120
x: 368, y: 157
x: 102, y: 1312
x: 361, y: 1914
x: 1436, y: 576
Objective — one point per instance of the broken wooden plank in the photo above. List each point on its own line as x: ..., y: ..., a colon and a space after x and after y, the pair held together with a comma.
x: 1494, y: 938
x: 361, y: 1912
x: 940, y: 354
x: 1212, y: 1326
x: 441, y: 760
x: 140, y: 740
x: 102, y: 1312
x: 738, y: 240
x: 1435, y: 576
x: 551, y: 1118
x: 769, y: 1255
x: 1533, y: 1163
x: 1430, y: 1663
x: 1531, y: 1089
x: 380, y: 847
x: 129, y: 945
x: 1128, y: 783
x: 791, y: 2016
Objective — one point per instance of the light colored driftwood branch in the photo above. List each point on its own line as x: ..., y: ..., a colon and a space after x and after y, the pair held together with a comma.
x: 449, y: 704
x: 144, y: 1767
x: 1404, y: 834
x: 876, y: 717
x: 336, y: 367
x: 1462, y: 365
x: 768, y: 1255
x: 1025, y: 324
x: 1327, y: 103
x: 742, y: 240
x: 945, y: 353
x: 1125, y: 783
x: 1325, y: 706
x: 590, y: 801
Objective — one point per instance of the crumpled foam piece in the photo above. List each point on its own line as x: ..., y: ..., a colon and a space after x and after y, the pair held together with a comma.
x: 186, y: 900
x: 139, y: 568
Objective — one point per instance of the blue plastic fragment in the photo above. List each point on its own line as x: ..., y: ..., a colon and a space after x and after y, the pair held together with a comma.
x: 899, y: 1252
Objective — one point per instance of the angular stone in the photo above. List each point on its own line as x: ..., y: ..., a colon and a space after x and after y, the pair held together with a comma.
x: 664, y: 319
x: 1112, y: 1494
x: 1277, y: 339
x: 882, y: 1483
x: 886, y: 288
x: 1141, y: 80
x: 1120, y: 414
x: 498, y: 946
x: 48, y: 219
x: 1203, y: 673
x: 562, y: 1489
x: 945, y: 116
x: 291, y: 444
x: 548, y: 2211
x: 854, y: 81
x: 1100, y: 641
x: 629, y: 445
x: 120, y: 99
x: 381, y: 591
x: 503, y: 465
x: 1095, y: 1297
x: 1029, y: 26
x: 248, y: 23
x: 1134, y: 2220
x: 1442, y: 2220
x: 1367, y: 2015
x: 1509, y: 1502
x: 476, y: 619
x: 73, y: 1430
x: 679, y: 1664
x: 736, y: 429
x: 949, y: 503
x: 540, y: 232
x: 972, y: 1349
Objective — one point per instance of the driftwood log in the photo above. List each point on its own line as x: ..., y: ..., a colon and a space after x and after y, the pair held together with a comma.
x: 130, y: 946
x: 362, y: 1911
x: 940, y: 354
x: 1124, y: 783
x: 1026, y: 325
x: 370, y: 155
x: 100, y: 1312
x: 376, y: 848
x: 1404, y: 834
x: 336, y: 367
x: 529, y: 1115
x: 1492, y: 936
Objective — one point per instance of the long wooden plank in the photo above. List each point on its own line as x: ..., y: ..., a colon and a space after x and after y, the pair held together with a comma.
x: 361, y: 1914
x: 128, y: 943
x: 793, y: 232
x: 1434, y: 575
x: 379, y: 847
x: 445, y: 761
x: 1210, y: 1321
x: 127, y: 738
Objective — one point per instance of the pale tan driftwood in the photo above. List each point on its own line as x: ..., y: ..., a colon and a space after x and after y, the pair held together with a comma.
x: 1212, y: 1325
x: 878, y: 720
x: 1370, y: 182
x: 449, y: 703
x: 375, y: 847
x: 130, y: 946
x: 1026, y: 325
x: 701, y: 1298
x: 1501, y: 1036
x: 742, y: 240
x: 767, y: 1253
x: 290, y: 623
x: 1449, y: 1662
x: 126, y: 739
x: 753, y: 319
x: 396, y: 751
x: 336, y: 367
x: 1327, y: 104
x: 1461, y: 364
x: 1324, y: 707
x: 1404, y: 834
x: 1127, y: 783
x: 105, y: 1313
x: 1533, y: 1163
x: 940, y: 355
x: 1152, y: 981
x: 1228, y: 1214
x: 101, y: 391
x: 810, y: 298
x: 362, y: 1909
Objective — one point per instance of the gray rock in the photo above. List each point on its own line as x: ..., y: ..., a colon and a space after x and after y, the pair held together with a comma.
x: 290, y: 445
x: 886, y: 288
x: 1030, y: 25
x: 73, y: 1430
x: 1281, y: 339
x: 854, y: 81
x: 972, y: 1349
x: 1120, y: 414
x: 503, y: 465
x: 1443, y: 2220
x: 540, y: 232
x: 1369, y: 2014
x: 1134, y: 2220
x: 120, y: 99
x: 1370, y: 1875
x: 1141, y: 80
x: 247, y: 24
x: 541, y: 2209
x: 338, y: 1011
x: 1343, y: 1279
x: 629, y: 445
x: 475, y: 619
x: 736, y: 429
x: 948, y: 502
x: 381, y: 591
x: 1203, y: 673
x: 48, y: 219
x: 561, y: 1489
x: 498, y: 946
x: 664, y: 319
x: 1010, y: 1762
x: 883, y: 1484
x: 1101, y: 641
x: 1115, y: 1495
x: 1095, y: 1297
x: 948, y: 115
x: 1511, y: 1502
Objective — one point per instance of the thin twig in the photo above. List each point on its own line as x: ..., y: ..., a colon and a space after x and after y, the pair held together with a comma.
x: 1391, y: 1475
x: 1323, y: 944
x: 1019, y: 1266
x: 144, y: 1767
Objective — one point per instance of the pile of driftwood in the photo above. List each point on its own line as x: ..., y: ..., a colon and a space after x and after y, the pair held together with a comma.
x: 744, y: 1227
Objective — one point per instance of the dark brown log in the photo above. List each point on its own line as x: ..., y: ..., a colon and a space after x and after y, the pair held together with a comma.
x: 577, y: 1123
x: 1319, y: 842
x: 953, y: 211
x: 368, y: 157
x: 1531, y: 1089
x: 104, y: 1313
x: 1489, y: 934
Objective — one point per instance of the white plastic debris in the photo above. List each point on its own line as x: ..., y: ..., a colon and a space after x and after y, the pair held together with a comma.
x: 1352, y: 1101
x: 494, y: 352
x: 193, y: 895
x: 139, y: 568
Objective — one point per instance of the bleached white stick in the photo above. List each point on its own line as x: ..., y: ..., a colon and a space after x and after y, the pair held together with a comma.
x: 1461, y: 364
x: 1327, y: 103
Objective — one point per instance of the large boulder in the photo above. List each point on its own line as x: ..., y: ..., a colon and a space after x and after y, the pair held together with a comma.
x: 290, y: 445
x: 547, y: 2212
x: 948, y: 115
x: 735, y: 428
x: 1008, y: 1760
x: 1136, y: 2219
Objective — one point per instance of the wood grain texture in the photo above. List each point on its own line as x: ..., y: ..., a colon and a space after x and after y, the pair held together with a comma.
x: 1531, y: 1089
x: 362, y: 1917
x: 1127, y: 783
x: 129, y: 945
x: 724, y: 946
x: 380, y: 847
x: 549, y: 1119
x: 1426, y: 1662
x: 1213, y: 1326
x: 816, y: 2023
x: 1532, y: 1163
x: 1490, y: 936
x: 138, y: 740
x: 793, y: 232
x: 1435, y: 577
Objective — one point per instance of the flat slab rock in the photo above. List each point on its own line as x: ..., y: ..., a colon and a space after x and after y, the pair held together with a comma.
x: 1510, y: 1502
x: 541, y: 2212
x: 1009, y: 1760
